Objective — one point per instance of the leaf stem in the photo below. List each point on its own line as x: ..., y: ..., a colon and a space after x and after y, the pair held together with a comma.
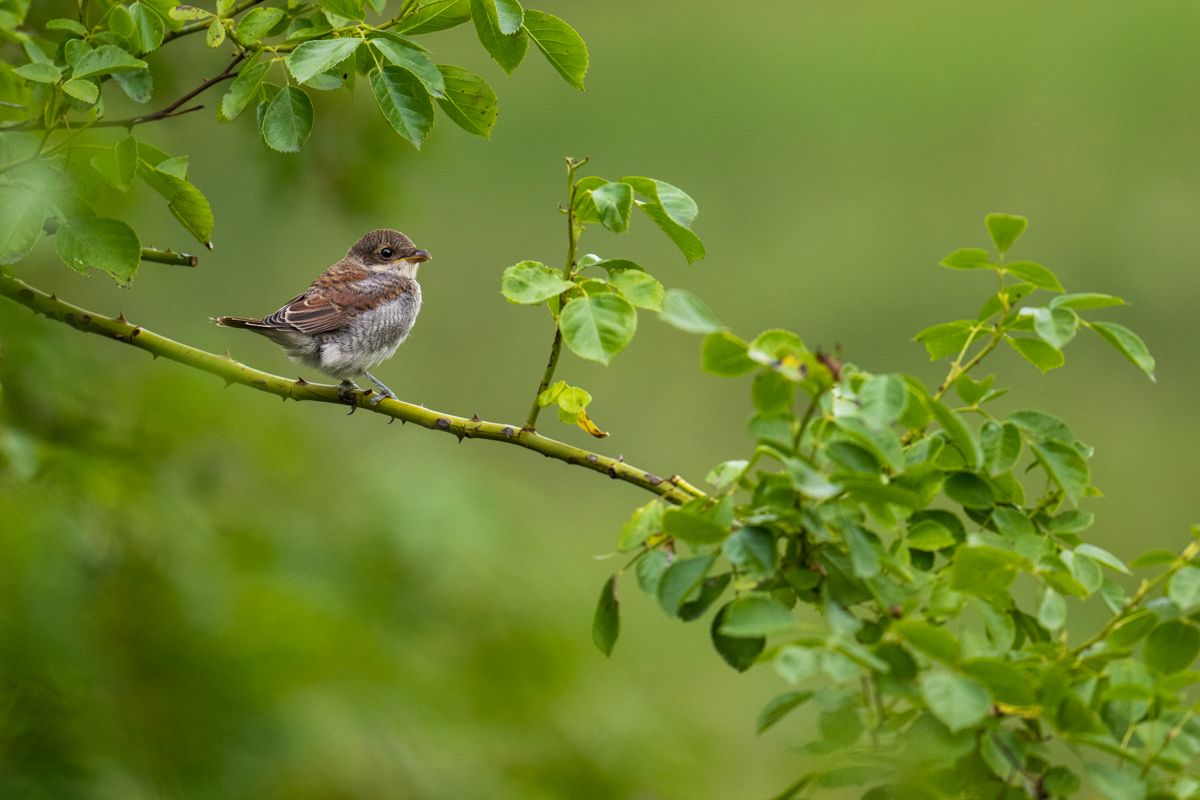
x: 1185, y: 558
x: 201, y: 25
x: 573, y: 232
x: 121, y: 330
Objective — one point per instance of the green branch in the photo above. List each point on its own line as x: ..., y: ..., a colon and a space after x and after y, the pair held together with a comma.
x: 671, y: 489
x: 169, y: 257
x: 573, y: 232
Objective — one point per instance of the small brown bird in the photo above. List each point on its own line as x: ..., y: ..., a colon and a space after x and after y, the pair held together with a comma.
x: 354, y: 315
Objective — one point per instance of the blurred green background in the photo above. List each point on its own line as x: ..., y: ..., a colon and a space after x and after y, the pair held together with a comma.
x: 208, y: 593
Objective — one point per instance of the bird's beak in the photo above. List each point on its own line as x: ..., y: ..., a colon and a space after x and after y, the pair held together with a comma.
x: 418, y: 257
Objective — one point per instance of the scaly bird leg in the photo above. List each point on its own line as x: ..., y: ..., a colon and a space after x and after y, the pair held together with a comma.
x: 386, y: 391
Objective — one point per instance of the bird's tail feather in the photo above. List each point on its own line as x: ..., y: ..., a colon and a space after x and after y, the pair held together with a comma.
x: 237, y: 322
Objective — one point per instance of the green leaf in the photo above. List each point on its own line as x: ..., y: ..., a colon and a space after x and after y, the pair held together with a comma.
x: 606, y: 624
x: 738, y: 652
x: 1005, y: 229
x: 1052, y: 610
x: 882, y: 398
x: 1007, y: 683
x: 105, y: 60
x: 1127, y: 343
x: 946, y: 338
x: 138, y: 84
x: 725, y: 473
x: 39, y: 72
x: 257, y: 23
x: 645, y: 522
x: 507, y: 50
x: 1116, y: 783
x: 82, y: 90
x: 1001, y: 445
x: 108, y: 245
x: 185, y: 202
x: 931, y: 640
x: 752, y: 551
x: 725, y: 354
x: 435, y: 15
x: 22, y: 213
x: 672, y: 210
x: 215, y: 35
x: 1034, y: 273
x: 1085, y: 300
x: 639, y: 288
x: 614, y: 202
x: 772, y: 392
x: 968, y: 258
x: 1056, y: 326
x: 118, y: 164
x: 288, y: 120
x: 692, y: 528
x: 1184, y: 588
x: 404, y: 102
x: 649, y: 570
x: 958, y: 702
x: 598, y: 327
x: 509, y: 16
x: 468, y: 100
x: 929, y: 535
x: 1133, y: 628
x: 779, y: 708
x: 69, y: 25
x: 351, y: 9
x: 186, y: 13
x: 752, y: 616
x: 687, y: 312
x: 312, y: 58
x: 244, y: 89
x: 562, y: 46
x: 1043, y: 356
x: 984, y: 570
x: 1109, y: 560
x: 1065, y: 466
x: 414, y: 60
x: 970, y: 490
x: 960, y: 435
x: 532, y: 282
x: 680, y: 580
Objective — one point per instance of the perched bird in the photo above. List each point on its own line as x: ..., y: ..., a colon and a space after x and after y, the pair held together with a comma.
x: 354, y: 315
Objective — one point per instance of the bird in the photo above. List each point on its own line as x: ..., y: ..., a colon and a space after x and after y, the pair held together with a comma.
x: 355, y: 314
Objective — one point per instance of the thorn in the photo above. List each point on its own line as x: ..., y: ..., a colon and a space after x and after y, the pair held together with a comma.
x: 300, y: 381
x: 54, y: 297
x: 475, y: 418
x: 391, y: 420
x: 460, y: 437
x: 621, y: 458
x: 228, y: 382
x: 121, y: 318
x: 352, y: 410
x: 227, y: 357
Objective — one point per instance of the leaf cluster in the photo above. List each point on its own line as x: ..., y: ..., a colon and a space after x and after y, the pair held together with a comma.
x: 57, y: 168
x: 907, y: 558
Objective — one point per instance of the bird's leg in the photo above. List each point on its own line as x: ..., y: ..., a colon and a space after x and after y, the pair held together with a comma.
x: 344, y: 392
x: 385, y: 390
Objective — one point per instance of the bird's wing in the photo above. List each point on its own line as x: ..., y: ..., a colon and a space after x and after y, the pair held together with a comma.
x: 334, y: 299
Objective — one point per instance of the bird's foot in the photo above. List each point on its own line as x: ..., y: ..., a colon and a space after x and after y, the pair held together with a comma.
x: 384, y: 391
x: 346, y: 390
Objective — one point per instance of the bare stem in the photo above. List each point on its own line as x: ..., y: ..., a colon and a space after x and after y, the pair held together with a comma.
x: 673, y: 489
x: 573, y: 232
x: 159, y: 256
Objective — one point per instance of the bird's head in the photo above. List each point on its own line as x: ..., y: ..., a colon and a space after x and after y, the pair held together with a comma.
x: 388, y: 250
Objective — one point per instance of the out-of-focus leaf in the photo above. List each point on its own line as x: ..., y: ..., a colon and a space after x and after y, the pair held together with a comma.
x: 108, y: 245
x: 606, y: 623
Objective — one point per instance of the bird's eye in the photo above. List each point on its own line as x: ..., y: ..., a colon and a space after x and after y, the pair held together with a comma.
x: 387, y: 252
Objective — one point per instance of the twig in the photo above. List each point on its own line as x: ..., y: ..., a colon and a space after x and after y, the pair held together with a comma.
x: 231, y: 371
x: 175, y: 109
x: 568, y: 272
x: 202, y: 25
x: 169, y: 257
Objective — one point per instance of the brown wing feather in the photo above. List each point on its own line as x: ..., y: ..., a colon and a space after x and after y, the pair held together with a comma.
x: 333, y: 300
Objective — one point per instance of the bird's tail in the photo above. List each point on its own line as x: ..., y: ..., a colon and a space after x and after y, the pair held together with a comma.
x: 237, y: 322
